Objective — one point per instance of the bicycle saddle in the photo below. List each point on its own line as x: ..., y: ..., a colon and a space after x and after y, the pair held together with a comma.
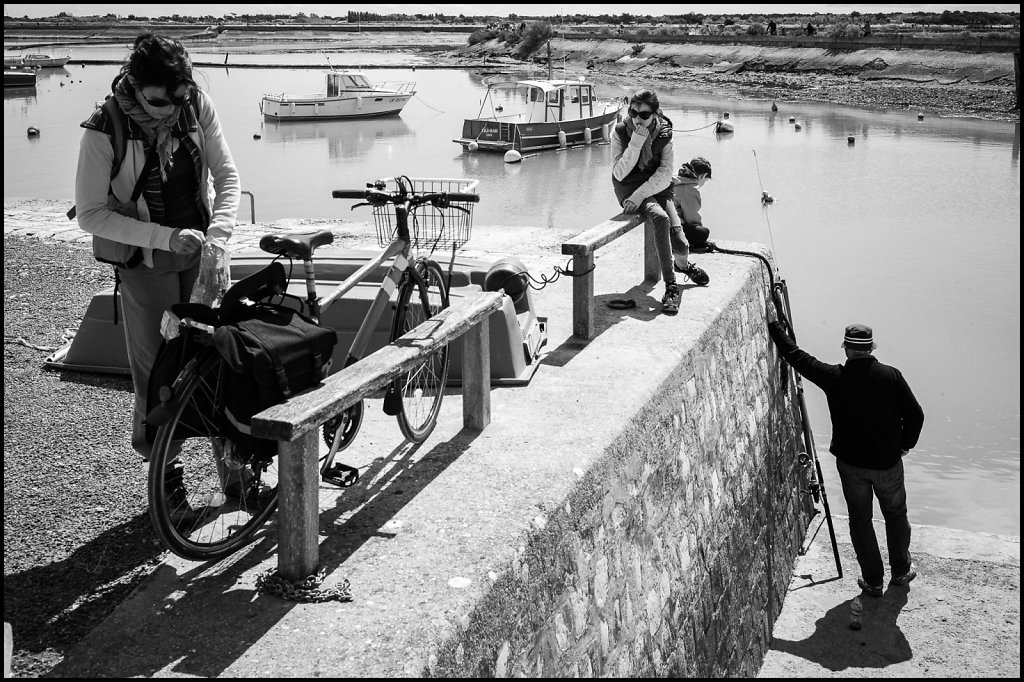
x: 299, y: 246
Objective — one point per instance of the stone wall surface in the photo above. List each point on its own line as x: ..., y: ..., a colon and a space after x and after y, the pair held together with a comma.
x: 672, y: 554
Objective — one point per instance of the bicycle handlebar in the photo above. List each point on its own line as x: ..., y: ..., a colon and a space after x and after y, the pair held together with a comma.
x: 376, y: 196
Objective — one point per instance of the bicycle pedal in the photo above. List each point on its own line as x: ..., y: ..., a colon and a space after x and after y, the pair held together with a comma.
x: 341, y: 475
x: 392, y: 402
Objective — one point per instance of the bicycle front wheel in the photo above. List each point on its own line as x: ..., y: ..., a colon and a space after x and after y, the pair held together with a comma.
x: 207, y: 494
x: 424, y: 293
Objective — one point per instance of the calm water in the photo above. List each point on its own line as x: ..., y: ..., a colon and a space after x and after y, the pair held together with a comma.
x: 914, y: 229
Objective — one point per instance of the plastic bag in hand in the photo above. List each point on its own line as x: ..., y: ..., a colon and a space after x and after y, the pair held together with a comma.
x: 214, y: 274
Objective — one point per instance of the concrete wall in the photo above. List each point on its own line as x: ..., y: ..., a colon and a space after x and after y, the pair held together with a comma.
x: 672, y: 554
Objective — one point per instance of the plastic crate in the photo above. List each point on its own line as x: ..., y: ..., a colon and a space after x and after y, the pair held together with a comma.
x: 429, y: 228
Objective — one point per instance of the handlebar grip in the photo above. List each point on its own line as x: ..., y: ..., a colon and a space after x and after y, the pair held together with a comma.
x: 460, y: 196
x: 349, y: 194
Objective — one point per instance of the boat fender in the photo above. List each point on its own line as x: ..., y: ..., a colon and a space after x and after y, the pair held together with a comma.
x: 561, y: 139
x: 359, y: 103
x: 473, y: 146
x: 513, y: 156
x: 510, y: 275
x: 606, y: 131
x: 587, y: 136
x: 33, y: 131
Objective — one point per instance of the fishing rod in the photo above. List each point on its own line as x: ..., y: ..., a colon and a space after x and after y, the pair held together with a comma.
x: 809, y: 458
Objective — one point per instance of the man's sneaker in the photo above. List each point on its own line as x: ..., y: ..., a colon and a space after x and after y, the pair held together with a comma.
x: 696, y: 275
x: 872, y: 590
x: 906, y: 577
x: 670, y: 302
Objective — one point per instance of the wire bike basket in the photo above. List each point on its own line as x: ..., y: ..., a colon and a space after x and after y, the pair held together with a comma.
x: 429, y: 227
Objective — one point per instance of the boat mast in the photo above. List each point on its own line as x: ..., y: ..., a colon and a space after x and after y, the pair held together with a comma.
x: 550, y: 75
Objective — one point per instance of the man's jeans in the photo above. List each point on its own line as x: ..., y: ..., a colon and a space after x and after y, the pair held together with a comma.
x: 888, y: 487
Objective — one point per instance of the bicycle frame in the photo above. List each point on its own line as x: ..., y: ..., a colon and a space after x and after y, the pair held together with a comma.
x: 399, y: 249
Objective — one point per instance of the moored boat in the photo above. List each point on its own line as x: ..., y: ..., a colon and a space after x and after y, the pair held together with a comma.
x: 350, y: 94
x: 19, y: 77
x: 549, y: 114
x: 42, y: 61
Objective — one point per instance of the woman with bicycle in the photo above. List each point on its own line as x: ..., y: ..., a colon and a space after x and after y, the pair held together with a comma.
x: 173, y: 199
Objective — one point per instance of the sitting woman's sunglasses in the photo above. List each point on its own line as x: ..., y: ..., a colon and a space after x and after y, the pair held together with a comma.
x: 632, y: 112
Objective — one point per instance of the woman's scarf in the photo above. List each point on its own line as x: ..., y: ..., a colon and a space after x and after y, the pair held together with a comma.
x: 646, y: 152
x: 155, y: 122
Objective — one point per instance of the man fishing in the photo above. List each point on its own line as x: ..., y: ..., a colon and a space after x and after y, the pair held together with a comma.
x: 876, y: 420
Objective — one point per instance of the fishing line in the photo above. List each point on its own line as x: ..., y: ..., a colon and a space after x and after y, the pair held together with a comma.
x: 771, y: 236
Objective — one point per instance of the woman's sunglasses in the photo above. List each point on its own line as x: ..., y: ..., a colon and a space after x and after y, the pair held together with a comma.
x: 161, y: 102
x: 632, y: 112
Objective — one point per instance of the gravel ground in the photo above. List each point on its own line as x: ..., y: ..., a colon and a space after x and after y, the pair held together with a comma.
x: 77, y: 535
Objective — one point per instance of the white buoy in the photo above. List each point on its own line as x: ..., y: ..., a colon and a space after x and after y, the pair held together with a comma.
x: 256, y: 136
x: 561, y: 139
x: 473, y: 146
x: 33, y: 131
x: 792, y: 119
x: 766, y: 198
x: 724, y: 127
x: 920, y: 117
x: 798, y: 126
x: 850, y: 139
x: 588, y: 137
x: 513, y: 156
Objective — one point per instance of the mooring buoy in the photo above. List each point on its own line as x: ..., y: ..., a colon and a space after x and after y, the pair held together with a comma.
x: 766, y: 198
x: 513, y: 156
x: 256, y: 136
x: 33, y: 131
x: 850, y: 139
x: 775, y: 107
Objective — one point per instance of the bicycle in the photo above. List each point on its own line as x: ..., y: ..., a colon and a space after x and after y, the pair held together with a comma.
x: 227, y: 490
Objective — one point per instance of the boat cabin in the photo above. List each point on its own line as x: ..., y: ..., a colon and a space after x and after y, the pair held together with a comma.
x: 563, y: 100
x: 339, y: 83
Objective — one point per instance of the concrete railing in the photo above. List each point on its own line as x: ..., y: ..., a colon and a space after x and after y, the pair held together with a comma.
x: 582, y: 248
x: 294, y: 423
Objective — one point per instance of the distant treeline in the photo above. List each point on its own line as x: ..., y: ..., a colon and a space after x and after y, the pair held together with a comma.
x: 960, y: 19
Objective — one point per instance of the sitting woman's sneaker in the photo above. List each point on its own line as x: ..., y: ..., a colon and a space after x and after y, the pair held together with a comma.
x: 696, y: 275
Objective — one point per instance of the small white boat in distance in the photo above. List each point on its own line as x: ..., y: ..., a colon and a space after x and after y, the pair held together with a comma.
x: 350, y: 94
x: 43, y: 61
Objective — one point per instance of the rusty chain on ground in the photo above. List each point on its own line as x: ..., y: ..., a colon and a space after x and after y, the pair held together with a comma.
x: 306, y: 590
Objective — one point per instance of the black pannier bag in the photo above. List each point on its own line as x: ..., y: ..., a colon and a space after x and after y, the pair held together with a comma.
x: 272, y: 353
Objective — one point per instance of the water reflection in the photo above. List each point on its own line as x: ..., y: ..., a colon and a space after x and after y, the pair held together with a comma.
x: 25, y: 94
x: 345, y: 139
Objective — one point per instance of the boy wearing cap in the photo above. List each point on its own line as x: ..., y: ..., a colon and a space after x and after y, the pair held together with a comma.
x: 686, y: 198
x: 876, y: 420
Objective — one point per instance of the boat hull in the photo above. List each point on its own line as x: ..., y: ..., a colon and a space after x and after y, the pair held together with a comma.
x: 19, y: 78
x: 327, y: 108
x: 494, y: 135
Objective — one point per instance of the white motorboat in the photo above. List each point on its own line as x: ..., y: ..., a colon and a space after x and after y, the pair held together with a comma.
x: 42, y: 61
x: 350, y: 94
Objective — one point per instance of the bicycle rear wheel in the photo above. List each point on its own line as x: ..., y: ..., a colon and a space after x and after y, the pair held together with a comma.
x: 424, y: 293
x: 207, y: 495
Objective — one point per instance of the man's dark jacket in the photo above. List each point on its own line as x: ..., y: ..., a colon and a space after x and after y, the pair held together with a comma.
x: 875, y: 416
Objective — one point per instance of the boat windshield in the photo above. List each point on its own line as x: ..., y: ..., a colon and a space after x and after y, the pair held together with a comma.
x: 339, y: 82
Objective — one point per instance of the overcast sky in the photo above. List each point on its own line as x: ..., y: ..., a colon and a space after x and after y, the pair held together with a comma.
x: 522, y: 9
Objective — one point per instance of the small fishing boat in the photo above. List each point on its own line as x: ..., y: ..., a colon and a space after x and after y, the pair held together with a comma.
x: 544, y: 114
x: 350, y: 94
x: 42, y: 61
x: 19, y: 77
